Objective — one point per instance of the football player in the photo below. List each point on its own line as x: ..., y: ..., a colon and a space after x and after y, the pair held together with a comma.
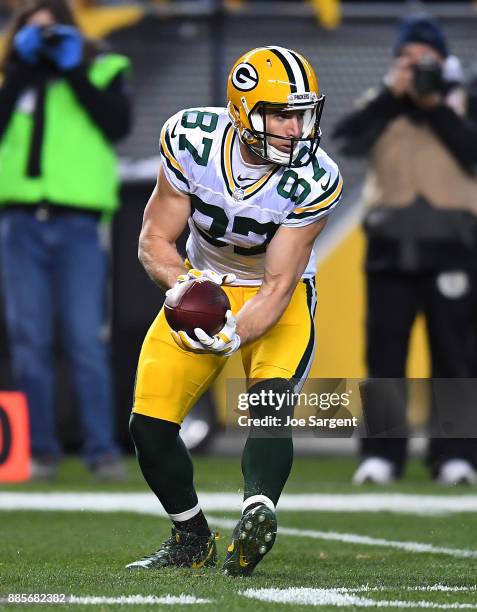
x: 255, y: 189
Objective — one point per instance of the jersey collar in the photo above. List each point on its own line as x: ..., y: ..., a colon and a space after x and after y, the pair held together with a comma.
x: 233, y: 186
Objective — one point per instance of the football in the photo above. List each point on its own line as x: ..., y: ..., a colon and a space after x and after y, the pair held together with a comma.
x: 197, y: 303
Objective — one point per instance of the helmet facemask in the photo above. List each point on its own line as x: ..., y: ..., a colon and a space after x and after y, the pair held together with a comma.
x: 257, y: 138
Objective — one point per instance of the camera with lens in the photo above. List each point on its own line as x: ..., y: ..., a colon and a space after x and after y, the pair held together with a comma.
x: 50, y: 36
x: 428, y: 78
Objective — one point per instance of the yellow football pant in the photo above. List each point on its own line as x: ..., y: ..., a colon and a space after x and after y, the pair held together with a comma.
x: 170, y: 380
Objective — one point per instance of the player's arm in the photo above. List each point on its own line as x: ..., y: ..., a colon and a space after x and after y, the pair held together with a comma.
x: 286, y: 259
x: 165, y: 218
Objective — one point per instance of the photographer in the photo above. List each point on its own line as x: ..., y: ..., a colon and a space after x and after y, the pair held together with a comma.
x: 421, y: 226
x: 62, y: 105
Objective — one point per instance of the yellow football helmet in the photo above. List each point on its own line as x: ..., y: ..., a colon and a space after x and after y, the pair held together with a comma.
x: 271, y: 78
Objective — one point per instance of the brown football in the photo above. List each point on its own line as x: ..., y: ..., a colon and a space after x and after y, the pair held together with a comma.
x: 197, y: 303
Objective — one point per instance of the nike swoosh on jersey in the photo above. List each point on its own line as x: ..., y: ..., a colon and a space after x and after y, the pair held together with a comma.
x: 173, y: 133
x: 325, y: 187
x: 247, y: 179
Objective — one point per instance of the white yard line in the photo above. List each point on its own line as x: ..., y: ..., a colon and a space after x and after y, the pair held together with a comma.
x: 365, y: 588
x: 342, y: 598
x: 213, y: 502
x: 146, y: 504
x: 353, y: 538
x: 427, y: 588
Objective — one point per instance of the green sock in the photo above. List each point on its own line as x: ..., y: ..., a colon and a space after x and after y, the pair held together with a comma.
x: 266, y: 465
x: 165, y: 462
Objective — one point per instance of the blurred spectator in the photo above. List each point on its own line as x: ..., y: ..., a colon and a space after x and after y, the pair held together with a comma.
x: 62, y: 105
x: 472, y: 89
x: 421, y: 227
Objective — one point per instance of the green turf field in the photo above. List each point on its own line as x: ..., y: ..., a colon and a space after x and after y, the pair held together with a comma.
x: 332, y: 559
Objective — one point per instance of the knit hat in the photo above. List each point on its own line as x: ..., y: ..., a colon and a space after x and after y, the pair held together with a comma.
x: 421, y: 30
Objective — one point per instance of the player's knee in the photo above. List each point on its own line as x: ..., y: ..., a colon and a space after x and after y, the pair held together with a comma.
x: 152, y: 437
x: 273, y: 403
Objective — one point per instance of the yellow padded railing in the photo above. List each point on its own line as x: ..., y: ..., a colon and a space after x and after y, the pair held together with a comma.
x: 328, y: 12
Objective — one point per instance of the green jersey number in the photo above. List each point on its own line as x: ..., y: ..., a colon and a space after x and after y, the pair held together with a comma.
x: 297, y: 189
x: 292, y: 187
x: 244, y: 225
x: 205, y: 121
x: 241, y: 225
x: 220, y: 220
x: 202, y: 159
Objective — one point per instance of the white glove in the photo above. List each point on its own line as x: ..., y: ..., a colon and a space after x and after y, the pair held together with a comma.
x: 224, y: 343
x: 193, y: 274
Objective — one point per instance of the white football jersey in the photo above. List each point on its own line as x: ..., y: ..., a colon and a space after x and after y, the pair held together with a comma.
x: 237, y: 207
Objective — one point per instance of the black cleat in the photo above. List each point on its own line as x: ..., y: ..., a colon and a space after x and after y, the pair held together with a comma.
x: 253, y: 537
x: 182, y: 549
